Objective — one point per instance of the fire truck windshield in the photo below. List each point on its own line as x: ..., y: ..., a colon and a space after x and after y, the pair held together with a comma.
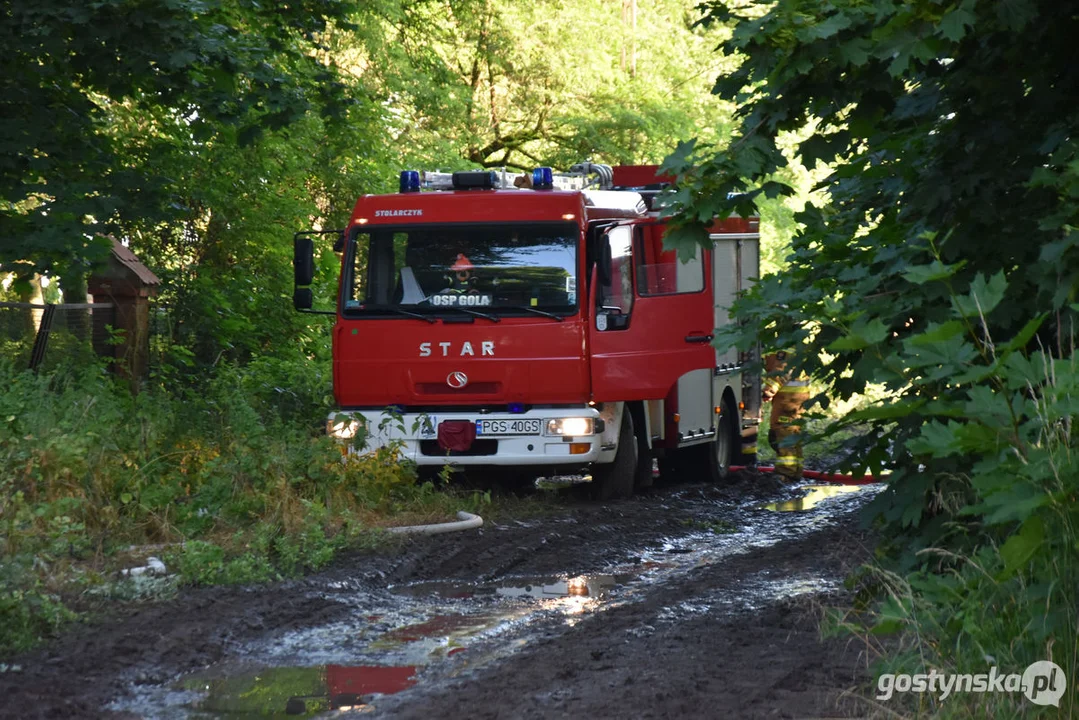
x: 503, y: 269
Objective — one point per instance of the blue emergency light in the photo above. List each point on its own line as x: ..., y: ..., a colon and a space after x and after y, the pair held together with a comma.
x: 542, y: 178
x: 516, y: 407
x: 410, y: 181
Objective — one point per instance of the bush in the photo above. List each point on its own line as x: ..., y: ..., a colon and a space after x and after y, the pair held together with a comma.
x: 235, y: 473
x: 998, y: 585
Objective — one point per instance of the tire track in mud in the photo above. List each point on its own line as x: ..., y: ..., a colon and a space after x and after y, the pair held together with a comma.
x: 734, y: 635
x: 676, y: 584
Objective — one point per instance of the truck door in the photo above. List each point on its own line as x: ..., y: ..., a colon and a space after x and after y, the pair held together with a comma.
x: 652, y: 315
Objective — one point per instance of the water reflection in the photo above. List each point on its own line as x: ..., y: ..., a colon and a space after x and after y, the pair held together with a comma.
x: 593, y: 586
x: 814, y: 495
x: 296, y: 691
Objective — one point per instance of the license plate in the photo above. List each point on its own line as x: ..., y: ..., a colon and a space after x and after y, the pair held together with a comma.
x: 508, y: 427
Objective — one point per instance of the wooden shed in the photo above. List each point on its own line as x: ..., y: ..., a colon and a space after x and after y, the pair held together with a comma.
x: 128, y: 284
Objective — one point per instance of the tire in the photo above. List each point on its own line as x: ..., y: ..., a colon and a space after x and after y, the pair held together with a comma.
x: 724, y: 444
x: 712, y: 461
x: 615, y: 479
x: 642, y: 476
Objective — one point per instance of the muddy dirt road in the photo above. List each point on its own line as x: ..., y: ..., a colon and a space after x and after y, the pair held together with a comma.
x: 692, y: 601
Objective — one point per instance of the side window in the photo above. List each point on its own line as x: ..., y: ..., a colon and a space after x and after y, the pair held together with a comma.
x: 362, y: 243
x: 617, y: 296
x: 660, y: 272
x: 378, y: 260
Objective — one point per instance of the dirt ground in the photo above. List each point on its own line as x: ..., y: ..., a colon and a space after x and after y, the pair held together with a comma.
x: 699, y: 603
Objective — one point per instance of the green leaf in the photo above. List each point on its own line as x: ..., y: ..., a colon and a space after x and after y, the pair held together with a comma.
x: 937, y: 333
x: 686, y: 239
x: 936, y: 270
x: 854, y: 52
x: 891, y: 617
x: 936, y: 439
x: 861, y: 335
x: 1020, y: 548
x: 1008, y: 506
x: 953, y: 26
x: 678, y: 160
x: 892, y: 411
x: 887, y: 626
x: 1020, y: 340
x: 984, y: 295
x: 829, y: 27
x: 951, y: 355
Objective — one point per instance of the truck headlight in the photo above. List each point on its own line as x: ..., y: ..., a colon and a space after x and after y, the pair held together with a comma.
x: 342, y: 429
x: 571, y: 427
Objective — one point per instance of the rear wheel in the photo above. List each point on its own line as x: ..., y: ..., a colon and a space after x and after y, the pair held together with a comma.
x: 710, y: 462
x: 722, y: 452
x: 615, y: 479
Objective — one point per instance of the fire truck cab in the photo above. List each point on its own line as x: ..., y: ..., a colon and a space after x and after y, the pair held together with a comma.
x: 537, y: 322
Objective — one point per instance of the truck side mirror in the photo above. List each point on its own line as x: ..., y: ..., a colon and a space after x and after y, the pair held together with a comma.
x: 303, y: 260
x: 302, y: 298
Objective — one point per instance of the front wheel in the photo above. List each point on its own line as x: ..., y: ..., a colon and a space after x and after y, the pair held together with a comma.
x: 615, y: 479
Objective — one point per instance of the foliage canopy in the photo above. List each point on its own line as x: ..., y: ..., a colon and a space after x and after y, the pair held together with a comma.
x: 940, y: 261
x: 945, y: 237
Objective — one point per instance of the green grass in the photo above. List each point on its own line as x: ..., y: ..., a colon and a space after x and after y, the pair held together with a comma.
x: 226, y: 482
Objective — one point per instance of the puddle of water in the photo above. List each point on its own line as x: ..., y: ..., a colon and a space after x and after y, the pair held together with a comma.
x: 594, y: 586
x: 445, y: 628
x: 441, y: 626
x: 443, y: 589
x: 814, y: 495
x: 292, y: 691
x: 754, y: 593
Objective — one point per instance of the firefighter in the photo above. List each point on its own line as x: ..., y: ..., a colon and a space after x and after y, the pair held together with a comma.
x: 787, y: 394
x: 463, y: 279
x: 749, y: 446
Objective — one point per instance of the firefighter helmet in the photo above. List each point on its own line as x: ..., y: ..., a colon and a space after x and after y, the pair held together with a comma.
x: 461, y: 264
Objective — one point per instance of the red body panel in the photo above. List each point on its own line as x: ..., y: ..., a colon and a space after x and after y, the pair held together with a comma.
x: 471, y: 206
x: 535, y: 360
x: 532, y: 359
x: 735, y: 224
x: 643, y: 361
x: 630, y: 176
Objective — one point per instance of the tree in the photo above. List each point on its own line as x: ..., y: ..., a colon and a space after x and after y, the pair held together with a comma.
x: 500, y: 83
x: 946, y: 236
x: 941, y: 263
x: 68, y: 66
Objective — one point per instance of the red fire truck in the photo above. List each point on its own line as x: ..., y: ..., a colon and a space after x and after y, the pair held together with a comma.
x: 536, y: 322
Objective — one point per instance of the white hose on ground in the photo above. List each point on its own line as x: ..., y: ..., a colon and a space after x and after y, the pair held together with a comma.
x: 467, y: 521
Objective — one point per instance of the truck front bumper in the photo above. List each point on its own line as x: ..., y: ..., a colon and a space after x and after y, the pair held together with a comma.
x: 521, y: 439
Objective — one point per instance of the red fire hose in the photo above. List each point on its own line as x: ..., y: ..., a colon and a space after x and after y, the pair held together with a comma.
x: 836, y: 478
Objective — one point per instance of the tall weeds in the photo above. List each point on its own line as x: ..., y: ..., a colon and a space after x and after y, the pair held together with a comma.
x: 234, y: 477
x: 1000, y: 585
